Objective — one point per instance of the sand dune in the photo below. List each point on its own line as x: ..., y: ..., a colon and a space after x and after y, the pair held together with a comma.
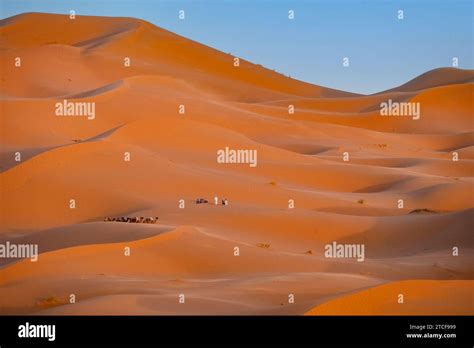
x: 421, y: 297
x: 191, y: 250
x: 435, y: 78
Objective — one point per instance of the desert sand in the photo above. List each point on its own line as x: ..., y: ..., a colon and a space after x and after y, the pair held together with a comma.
x: 191, y: 250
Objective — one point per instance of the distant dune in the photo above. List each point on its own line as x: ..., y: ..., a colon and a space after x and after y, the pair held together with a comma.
x: 436, y: 78
x: 343, y: 165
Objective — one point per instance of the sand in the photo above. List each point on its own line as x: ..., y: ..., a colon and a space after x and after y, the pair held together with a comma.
x: 281, y: 267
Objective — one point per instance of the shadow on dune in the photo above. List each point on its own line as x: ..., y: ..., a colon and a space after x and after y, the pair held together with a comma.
x: 7, y: 158
x: 86, y: 234
x: 416, y: 234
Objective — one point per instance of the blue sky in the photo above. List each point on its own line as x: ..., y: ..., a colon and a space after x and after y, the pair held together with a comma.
x: 383, y: 51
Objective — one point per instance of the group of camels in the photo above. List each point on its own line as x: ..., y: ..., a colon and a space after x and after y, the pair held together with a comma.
x: 136, y: 219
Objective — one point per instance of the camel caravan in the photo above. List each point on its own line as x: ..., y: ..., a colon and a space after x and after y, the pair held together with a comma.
x: 136, y: 219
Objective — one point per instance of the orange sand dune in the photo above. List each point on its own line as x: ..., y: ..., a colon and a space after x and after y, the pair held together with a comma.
x: 335, y: 170
x: 420, y: 297
x: 435, y: 78
x: 169, y: 53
